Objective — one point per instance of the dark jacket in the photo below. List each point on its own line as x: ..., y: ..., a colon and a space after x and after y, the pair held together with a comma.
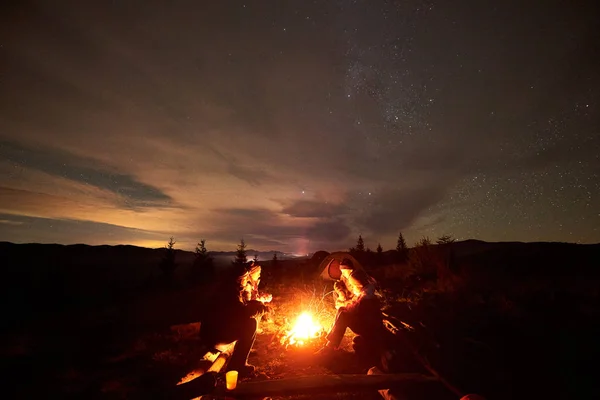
x: 227, y: 312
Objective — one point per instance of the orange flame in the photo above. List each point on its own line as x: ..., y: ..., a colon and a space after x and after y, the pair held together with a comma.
x: 304, y: 330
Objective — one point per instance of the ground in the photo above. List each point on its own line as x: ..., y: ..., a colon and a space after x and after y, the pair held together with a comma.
x: 530, y: 338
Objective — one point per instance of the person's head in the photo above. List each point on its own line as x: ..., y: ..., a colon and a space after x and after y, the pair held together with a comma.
x: 358, y: 281
x: 346, y: 267
x: 254, y: 272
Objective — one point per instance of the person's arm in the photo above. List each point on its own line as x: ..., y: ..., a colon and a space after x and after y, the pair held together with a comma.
x: 343, y: 295
x: 255, y: 309
x: 346, y: 303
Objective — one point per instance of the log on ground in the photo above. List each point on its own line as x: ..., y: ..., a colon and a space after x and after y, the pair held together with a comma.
x: 325, y: 384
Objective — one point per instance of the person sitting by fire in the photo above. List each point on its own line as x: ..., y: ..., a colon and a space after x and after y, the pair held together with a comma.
x: 234, y: 317
x: 358, y: 308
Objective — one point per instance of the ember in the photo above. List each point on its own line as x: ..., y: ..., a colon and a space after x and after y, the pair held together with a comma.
x: 304, y: 330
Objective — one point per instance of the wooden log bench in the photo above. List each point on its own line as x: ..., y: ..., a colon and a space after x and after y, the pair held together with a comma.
x: 323, y: 384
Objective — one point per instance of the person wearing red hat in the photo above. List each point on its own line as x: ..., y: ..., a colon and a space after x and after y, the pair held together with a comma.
x: 359, y: 309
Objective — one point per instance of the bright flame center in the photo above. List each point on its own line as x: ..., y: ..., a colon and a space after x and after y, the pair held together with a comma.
x: 304, y: 329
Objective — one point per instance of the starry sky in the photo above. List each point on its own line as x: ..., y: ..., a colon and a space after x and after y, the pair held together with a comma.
x: 298, y: 124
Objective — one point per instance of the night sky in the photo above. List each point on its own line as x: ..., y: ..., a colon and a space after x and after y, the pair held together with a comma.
x: 298, y: 125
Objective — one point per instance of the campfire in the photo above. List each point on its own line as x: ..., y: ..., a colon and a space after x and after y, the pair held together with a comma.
x: 305, y: 330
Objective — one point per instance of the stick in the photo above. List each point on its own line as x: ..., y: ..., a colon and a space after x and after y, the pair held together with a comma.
x: 398, y: 333
x: 324, y: 384
x: 391, y: 317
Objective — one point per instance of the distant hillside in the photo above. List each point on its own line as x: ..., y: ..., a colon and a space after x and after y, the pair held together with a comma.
x: 129, y: 264
x: 531, y: 259
x: 124, y: 263
x: 85, y: 251
x: 132, y: 258
x: 46, y: 276
x: 517, y: 260
x: 38, y: 277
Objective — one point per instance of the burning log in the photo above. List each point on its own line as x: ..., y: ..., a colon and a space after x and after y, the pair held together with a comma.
x: 305, y: 329
x: 325, y: 384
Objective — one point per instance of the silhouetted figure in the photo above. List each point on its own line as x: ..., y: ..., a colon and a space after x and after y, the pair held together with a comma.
x: 233, y: 317
x: 359, y: 309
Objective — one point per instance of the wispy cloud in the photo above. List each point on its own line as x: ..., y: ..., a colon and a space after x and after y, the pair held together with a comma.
x: 23, y: 229
x: 88, y: 171
x: 314, y: 209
